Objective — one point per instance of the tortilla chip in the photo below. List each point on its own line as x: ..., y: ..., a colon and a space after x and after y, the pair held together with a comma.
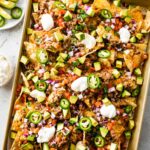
x: 137, y: 15
x: 147, y: 22
x: 100, y: 4
x: 17, y: 142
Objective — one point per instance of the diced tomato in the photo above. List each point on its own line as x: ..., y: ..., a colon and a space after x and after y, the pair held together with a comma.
x: 54, y: 121
x: 19, y: 87
x: 118, y: 81
x: 16, y: 107
x: 52, y: 149
x: 71, y: 128
x: 92, y: 69
x: 97, y: 104
x: 121, y: 111
x: 30, y: 99
x: 67, y: 95
x: 62, y: 12
x: 110, y: 125
x: 60, y: 22
x: 110, y: 85
x: 74, y: 77
x: 72, y: 59
x: 25, y: 131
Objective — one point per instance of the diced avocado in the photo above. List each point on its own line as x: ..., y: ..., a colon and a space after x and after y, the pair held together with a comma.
x: 60, y: 126
x: 35, y: 79
x: 127, y: 19
x: 90, y: 12
x: 82, y: 59
x: 93, y: 33
x: 60, y: 59
x: 77, y: 71
x: 73, y: 7
x: 113, y: 146
x: 97, y: 66
x: 13, y: 135
x: 30, y: 75
x: 99, y: 39
x: 133, y: 39
x: 128, y: 134
x: 124, y: 13
x: 14, y: 1
x: 31, y: 138
x: 46, y: 75
x: 45, y: 146
x: 131, y: 124
x: 80, y: 36
x: 64, y: 55
x: 59, y: 65
x: 35, y: 7
x: 25, y: 90
x: 58, y: 36
x: 68, y: 16
x: 103, y: 131
x: 116, y: 73
x: 7, y: 4
x: 144, y: 31
x: 118, y: 64
x: 65, y: 112
x: 107, y: 28
x: 119, y: 87
x: 139, y: 36
x: 73, y: 99
x: 93, y: 121
x: 46, y: 115
x: 54, y: 71
x: 73, y: 120
x: 29, y: 31
x: 24, y: 60
x: 106, y: 101
x: 139, y: 80
x: 72, y: 147
x: 117, y: 3
x: 85, y: 1
x: 137, y: 71
x: 104, y: 36
x: 126, y: 93
x: 136, y: 91
x: 27, y: 146
x: 4, y: 14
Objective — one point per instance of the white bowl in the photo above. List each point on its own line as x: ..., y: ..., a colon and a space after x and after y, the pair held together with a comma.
x: 9, y: 73
x: 13, y: 22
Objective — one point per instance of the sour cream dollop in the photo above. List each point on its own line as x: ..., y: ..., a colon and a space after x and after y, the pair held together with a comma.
x: 47, y: 22
x: 45, y: 134
x: 79, y: 84
x: 5, y: 70
x: 89, y: 41
x: 38, y: 95
x: 108, y: 111
x: 81, y: 146
x: 124, y: 35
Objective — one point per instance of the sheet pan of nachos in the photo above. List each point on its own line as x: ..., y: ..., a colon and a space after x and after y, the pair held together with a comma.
x: 82, y: 70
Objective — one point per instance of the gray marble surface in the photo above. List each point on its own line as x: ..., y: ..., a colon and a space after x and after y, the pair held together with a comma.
x: 9, y: 46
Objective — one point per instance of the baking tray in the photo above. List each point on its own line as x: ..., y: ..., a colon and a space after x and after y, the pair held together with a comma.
x: 133, y: 145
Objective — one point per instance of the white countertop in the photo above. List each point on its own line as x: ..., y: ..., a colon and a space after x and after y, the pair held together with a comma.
x: 9, y: 46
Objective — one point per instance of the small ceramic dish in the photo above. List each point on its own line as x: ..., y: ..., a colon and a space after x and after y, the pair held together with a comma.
x: 6, y: 70
x: 13, y: 22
